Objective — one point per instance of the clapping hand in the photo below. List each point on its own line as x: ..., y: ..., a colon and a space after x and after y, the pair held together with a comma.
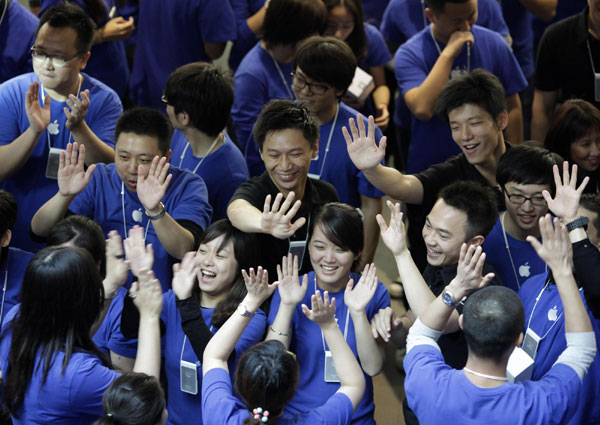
x: 290, y: 289
x: 116, y: 266
x: 38, y: 117
x: 139, y: 255
x: 566, y: 200
x: 147, y: 294
x: 357, y: 297
x: 78, y: 111
x: 277, y: 220
x: 363, y: 151
x: 321, y: 311
x: 72, y: 176
x: 184, y: 276
x: 384, y: 322
x: 394, y: 235
x: 151, y: 188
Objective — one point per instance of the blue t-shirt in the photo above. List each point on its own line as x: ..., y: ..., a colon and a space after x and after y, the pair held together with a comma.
x: 185, y: 199
x: 525, y: 261
x: 307, y: 343
x: 108, y: 60
x: 217, y: 398
x: 70, y: 398
x: 257, y: 80
x: 520, y: 22
x: 108, y: 337
x: 11, y: 273
x: 185, y: 408
x: 548, y: 322
x: 246, y: 39
x: 431, y: 141
x: 223, y: 171
x: 404, y: 18
x: 373, y: 10
x: 17, y: 35
x: 29, y: 185
x: 377, y: 51
x: 440, y: 395
x: 171, y: 34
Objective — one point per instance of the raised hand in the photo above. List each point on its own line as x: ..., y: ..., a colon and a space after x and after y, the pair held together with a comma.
x: 566, y: 200
x: 151, y: 188
x: 383, y: 323
x: 362, y: 149
x: 38, y: 117
x: 257, y: 285
x: 76, y: 114
x: 184, y: 276
x: 117, y: 29
x: 72, y: 176
x: 277, y: 220
x: 555, y: 248
x: 139, y: 255
x: 116, y: 267
x: 468, y: 273
x: 357, y: 297
x: 321, y: 311
x: 290, y: 289
x: 394, y: 235
x: 147, y: 294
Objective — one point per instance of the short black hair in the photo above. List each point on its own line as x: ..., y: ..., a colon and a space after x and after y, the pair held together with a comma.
x: 205, y: 92
x: 8, y: 211
x: 280, y: 115
x: 478, y: 87
x: 438, y: 6
x: 493, y: 319
x: 288, y: 22
x: 591, y: 201
x: 69, y: 15
x: 527, y: 164
x: 148, y: 122
x: 326, y: 60
x: 477, y: 201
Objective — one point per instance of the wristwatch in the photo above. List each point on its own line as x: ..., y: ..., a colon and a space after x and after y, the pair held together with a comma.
x: 578, y: 222
x: 449, y: 300
x: 243, y: 310
x: 162, y: 212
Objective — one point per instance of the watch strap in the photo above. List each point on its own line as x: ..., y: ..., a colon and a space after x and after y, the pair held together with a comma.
x: 578, y: 222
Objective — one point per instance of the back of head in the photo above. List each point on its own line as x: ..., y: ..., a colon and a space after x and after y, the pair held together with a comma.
x: 438, y: 6
x: 267, y: 377
x: 280, y: 115
x: 81, y: 232
x: 527, y: 164
x: 148, y: 122
x: 204, y: 92
x: 342, y: 225
x: 288, y: 22
x: 326, y: 60
x: 68, y: 14
x: 477, y: 201
x: 8, y: 211
x: 574, y: 119
x: 478, y: 87
x: 493, y: 319
x: 133, y: 399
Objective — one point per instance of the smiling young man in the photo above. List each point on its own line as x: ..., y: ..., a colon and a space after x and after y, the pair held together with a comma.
x: 42, y: 111
x: 170, y: 204
x: 288, y: 138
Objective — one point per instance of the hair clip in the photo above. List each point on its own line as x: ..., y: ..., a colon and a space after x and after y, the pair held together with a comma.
x: 261, y: 415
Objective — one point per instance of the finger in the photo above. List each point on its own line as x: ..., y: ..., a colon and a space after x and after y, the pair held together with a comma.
x: 486, y: 280
x: 565, y: 176
x: 294, y: 266
x: 347, y: 137
x: 326, y: 302
x: 296, y: 225
x: 573, y: 182
x: 557, y: 180
x: 246, y: 276
x: 294, y: 210
x: 547, y: 196
x: 353, y: 128
x: 280, y: 271
x: 61, y: 160
x: 164, y: 168
x: 267, y: 205
x: 463, y: 254
x: 89, y: 172
x: 287, y: 203
x: 168, y: 179
x: 68, y: 113
x: 381, y: 222
x: 349, y: 286
x: 277, y: 202
x: 306, y: 311
x: 583, y: 184
x: 537, y: 246
x: 304, y: 283
x: 360, y: 122
x: 81, y: 157
x: 153, y: 166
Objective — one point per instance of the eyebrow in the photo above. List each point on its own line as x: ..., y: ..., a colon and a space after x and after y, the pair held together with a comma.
x: 438, y: 229
x: 522, y: 191
x: 142, y: 154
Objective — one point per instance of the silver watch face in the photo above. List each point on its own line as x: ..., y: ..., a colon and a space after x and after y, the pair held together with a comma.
x: 447, y: 298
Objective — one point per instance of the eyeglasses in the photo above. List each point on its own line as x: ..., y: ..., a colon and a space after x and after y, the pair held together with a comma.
x: 164, y: 100
x: 314, y: 88
x: 56, y: 61
x: 538, y: 200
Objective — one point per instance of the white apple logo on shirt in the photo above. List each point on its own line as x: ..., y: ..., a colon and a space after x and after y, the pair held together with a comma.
x: 553, y: 314
x: 53, y: 128
x: 137, y: 215
x: 524, y: 270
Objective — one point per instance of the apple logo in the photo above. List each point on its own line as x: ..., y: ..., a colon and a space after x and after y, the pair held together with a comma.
x: 137, y: 215
x: 553, y: 314
x: 53, y: 128
x: 524, y: 270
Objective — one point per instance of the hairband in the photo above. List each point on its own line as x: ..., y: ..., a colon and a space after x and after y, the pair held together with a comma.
x: 261, y: 415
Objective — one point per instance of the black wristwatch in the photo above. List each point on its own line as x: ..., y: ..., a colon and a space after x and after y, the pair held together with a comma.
x: 578, y: 222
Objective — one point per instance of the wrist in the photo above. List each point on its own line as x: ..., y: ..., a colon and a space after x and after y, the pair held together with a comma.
x: 182, y: 295
x: 157, y: 212
x: 457, y: 291
x: 251, y: 304
x: 328, y: 325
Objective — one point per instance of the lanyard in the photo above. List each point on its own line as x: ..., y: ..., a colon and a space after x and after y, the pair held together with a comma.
x: 43, y: 99
x: 285, y: 84
x: 203, y: 158
x: 329, y: 141
x: 307, y: 230
x: 440, y: 50
x: 124, y: 220
x: 587, y: 40
x: 509, y: 254
x: 183, y: 345
x: 345, y: 325
x: 3, y: 294
x: 533, y: 311
x: 4, y: 13
x: 424, y: 17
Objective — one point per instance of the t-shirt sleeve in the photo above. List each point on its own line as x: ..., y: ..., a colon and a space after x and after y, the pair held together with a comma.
x: 102, y: 118
x: 12, y: 111
x: 410, y: 68
x: 84, y: 202
x: 337, y: 410
x: 192, y: 201
x: 251, y: 191
x: 90, y: 381
x: 495, y: 19
x: 377, y: 51
x: 250, y: 96
x: 217, y: 398
x: 216, y: 22
x: 380, y: 300
x: 435, y: 178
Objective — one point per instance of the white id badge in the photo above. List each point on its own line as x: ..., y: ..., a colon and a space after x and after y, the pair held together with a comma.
x: 188, y: 376
x: 330, y: 372
x: 531, y: 343
x: 53, y: 160
x: 298, y: 248
x: 597, y: 87
x: 314, y: 176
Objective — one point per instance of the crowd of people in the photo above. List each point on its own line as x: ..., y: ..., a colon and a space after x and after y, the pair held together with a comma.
x: 175, y: 236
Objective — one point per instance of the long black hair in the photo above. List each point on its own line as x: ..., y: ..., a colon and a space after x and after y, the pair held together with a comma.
x: 357, y: 40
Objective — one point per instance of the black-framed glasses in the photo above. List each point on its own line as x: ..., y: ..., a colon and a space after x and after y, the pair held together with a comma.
x: 314, y: 88
x: 164, y: 100
x: 537, y: 200
x: 56, y: 61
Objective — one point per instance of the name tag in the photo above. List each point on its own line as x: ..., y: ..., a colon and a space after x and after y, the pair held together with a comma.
x: 188, y: 376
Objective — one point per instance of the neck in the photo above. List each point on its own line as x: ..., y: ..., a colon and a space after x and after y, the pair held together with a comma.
x: 282, y: 53
x: 593, y: 27
x: 486, y: 367
x: 334, y: 287
x: 437, y: 36
x: 211, y: 301
x: 200, y: 142
x: 488, y: 167
x: 62, y: 94
x: 298, y: 191
x: 515, y: 231
x: 327, y: 114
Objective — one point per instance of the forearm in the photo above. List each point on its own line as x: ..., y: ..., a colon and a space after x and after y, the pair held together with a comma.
x: 50, y: 213
x: 281, y: 330
x: 244, y: 216
x: 418, y: 294
x: 436, y: 315
x: 580, y: 352
x: 14, y: 155
x: 255, y: 22
x: 370, y: 207
x: 575, y: 313
x: 175, y: 238
x: 405, y: 188
x: 543, y: 9
x: 370, y: 353
x: 193, y: 325
x: 147, y: 359
x: 381, y: 94
x: 95, y: 149
x: 514, y: 128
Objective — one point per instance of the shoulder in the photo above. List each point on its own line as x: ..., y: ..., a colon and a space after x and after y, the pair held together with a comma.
x: 99, y: 90
x: 255, y: 189
x: 323, y: 191
x: 18, y: 85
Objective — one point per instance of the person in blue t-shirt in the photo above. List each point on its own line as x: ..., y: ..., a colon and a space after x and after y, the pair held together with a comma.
x: 524, y: 173
x: 335, y: 248
x: 138, y: 189
x: 493, y: 320
x: 41, y: 112
x: 17, y: 32
x: 250, y: 17
x: 268, y: 374
x: 198, y: 97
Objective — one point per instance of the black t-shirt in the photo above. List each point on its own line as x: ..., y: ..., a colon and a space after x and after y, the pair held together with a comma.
x: 316, y: 194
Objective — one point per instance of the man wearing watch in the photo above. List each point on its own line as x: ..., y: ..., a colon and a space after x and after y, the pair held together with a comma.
x: 140, y: 188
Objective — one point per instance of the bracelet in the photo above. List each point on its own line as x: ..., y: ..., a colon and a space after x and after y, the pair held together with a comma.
x: 246, y: 312
x: 277, y: 332
x: 162, y: 212
x: 578, y: 222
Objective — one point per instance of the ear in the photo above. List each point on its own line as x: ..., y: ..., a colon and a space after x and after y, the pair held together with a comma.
x: 430, y: 15
x: 315, y: 150
x: 460, y: 322
x: 6, y: 238
x: 476, y: 240
x: 84, y: 59
x: 519, y: 340
x: 502, y: 119
x: 183, y: 118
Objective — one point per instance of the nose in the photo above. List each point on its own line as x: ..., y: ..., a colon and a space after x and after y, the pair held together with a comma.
x: 329, y: 257
x: 527, y: 205
x: 285, y: 163
x: 338, y: 33
x: 132, y: 167
x: 465, y: 133
x: 595, y: 149
x: 465, y: 26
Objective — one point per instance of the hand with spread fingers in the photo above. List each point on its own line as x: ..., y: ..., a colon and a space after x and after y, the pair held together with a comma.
x: 468, y: 273
x: 357, y: 296
x: 258, y: 287
x: 289, y: 287
x: 555, y: 248
x: 151, y: 188
x: 72, y: 175
x: 184, y: 276
x: 363, y: 151
x: 322, y: 311
x: 566, y: 199
x: 139, y: 255
x: 394, y: 235
x: 277, y: 219
x: 147, y: 294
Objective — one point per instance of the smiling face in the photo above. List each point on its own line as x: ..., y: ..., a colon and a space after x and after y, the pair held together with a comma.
x: 455, y: 17
x: 332, y: 264
x: 340, y: 23
x: 218, y: 267
x: 319, y: 104
x: 131, y: 151
x: 287, y: 155
x: 585, y: 152
x: 524, y: 218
